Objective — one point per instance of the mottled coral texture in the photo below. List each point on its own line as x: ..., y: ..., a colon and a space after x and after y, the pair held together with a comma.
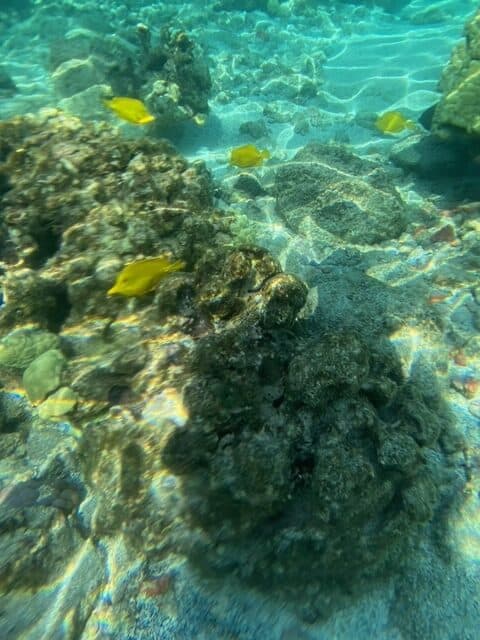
x: 298, y: 454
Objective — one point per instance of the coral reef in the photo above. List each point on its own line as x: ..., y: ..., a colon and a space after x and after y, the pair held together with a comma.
x: 459, y: 105
x: 207, y: 418
x: 307, y: 460
x: 168, y: 72
x: 341, y: 194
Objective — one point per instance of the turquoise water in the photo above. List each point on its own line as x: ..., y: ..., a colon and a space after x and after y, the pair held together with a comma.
x: 239, y: 320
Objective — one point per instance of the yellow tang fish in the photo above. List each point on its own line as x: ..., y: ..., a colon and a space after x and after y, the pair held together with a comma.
x: 141, y: 276
x: 129, y: 109
x: 394, y: 122
x: 248, y: 156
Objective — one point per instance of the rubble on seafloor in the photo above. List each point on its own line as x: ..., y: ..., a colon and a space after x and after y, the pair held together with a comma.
x: 212, y: 418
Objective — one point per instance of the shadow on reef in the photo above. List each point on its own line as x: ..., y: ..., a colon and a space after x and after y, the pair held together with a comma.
x: 309, y: 462
x: 448, y: 166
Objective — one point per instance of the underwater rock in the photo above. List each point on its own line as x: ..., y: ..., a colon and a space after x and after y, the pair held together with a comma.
x: 459, y: 105
x: 171, y: 75
x: 244, y: 5
x: 33, y: 298
x: 283, y: 88
x: 61, y: 210
x: 429, y: 157
x: 249, y: 185
x: 44, y: 375
x: 80, y: 43
x: 20, y: 347
x: 58, y: 404
x: 35, y: 541
x: 256, y: 129
x: 187, y: 66
x: 14, y: 416
x: 327, y: 365
x: 296, y: 441
x: 340, y: 193
x: 75, y: 76
x: 88, y: 103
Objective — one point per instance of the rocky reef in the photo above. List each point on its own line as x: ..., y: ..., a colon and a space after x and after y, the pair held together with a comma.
x: 165, y: 69
x: 212, y: 419
x: 332, y: 191
x: 459, y: 106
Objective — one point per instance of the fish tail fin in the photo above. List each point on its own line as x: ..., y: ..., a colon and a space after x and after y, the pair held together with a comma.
x: 265, y: 154
x: 199, y: 119
x: 146, y: 119
x: 178, y: 265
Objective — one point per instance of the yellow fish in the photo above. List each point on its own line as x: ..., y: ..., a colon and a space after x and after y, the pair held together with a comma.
x: 129, y: 109
x: 248, y: 156
x: 199, y: 119
x: 141, y: 276
x: 393, y: 122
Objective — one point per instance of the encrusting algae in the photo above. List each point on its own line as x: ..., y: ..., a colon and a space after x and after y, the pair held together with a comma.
x: 248, y: 156
x: 142, y: 276
x: 129, y: 109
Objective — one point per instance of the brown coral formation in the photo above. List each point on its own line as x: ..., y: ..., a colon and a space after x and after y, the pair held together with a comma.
x: 459, y: 105
x: 77, y: 204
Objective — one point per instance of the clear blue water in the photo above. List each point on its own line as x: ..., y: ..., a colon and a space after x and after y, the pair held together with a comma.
x: 272, y: 432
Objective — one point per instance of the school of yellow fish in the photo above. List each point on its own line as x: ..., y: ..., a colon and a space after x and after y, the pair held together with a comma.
x: 142, y: 276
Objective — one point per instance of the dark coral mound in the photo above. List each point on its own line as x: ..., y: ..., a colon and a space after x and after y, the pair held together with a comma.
x: 176, y: 59
x: 309, y: 461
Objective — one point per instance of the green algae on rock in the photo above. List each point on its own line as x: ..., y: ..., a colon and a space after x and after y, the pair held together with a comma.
x: 58, y: 404
x: 459, y: 105
x: 44, y: 374
x: 22, y: 346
